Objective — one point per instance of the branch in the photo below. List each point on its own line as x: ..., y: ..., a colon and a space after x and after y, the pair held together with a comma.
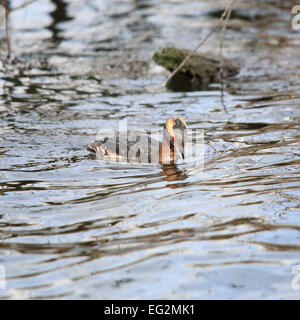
x: 6, y: 30
x: 22, y: 5
x: 200, y: 44
x: 221, y: 58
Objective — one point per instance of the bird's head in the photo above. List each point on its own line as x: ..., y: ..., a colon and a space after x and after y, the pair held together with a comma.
x: 176, y: 132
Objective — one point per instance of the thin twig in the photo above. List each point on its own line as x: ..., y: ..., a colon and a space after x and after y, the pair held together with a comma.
x: 6, y: 30
x: 26, y: 3
x: 221, y: 56
x: 199, y: 45
x: 22, y: 5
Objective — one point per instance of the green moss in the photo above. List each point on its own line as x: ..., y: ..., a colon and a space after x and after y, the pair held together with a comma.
x: 199, y: 65
x: 169, y: 58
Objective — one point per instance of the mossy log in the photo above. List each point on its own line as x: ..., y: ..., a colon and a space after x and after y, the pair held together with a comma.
x: 198, y: 71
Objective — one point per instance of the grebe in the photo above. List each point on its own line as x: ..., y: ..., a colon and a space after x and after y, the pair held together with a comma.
x: 170, y: 150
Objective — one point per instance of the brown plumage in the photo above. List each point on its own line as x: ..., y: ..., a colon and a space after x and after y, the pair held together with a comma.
x: 169, y: 150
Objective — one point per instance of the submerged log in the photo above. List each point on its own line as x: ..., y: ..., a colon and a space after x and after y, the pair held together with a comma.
x: 198, y: 71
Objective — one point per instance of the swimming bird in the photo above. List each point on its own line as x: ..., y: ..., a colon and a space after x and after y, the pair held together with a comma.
x: 145, y: 149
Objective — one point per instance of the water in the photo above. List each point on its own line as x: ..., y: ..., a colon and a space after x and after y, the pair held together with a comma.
x: 73, y: 227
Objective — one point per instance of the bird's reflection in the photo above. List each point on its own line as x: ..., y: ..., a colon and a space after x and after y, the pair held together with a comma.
x: 170, y: 172
x: 173, y: 173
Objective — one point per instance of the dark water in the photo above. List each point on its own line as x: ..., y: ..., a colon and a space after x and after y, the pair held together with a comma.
x: 74, y: 227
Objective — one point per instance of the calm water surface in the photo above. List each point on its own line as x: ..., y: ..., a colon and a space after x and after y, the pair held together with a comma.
x: 73, y: 227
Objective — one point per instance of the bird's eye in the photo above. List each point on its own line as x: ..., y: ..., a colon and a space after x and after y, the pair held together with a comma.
x: 177, y: 123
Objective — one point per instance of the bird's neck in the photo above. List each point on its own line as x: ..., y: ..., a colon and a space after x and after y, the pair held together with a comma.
x: 166, y: 150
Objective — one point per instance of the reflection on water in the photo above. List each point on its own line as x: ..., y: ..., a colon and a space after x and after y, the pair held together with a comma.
x: 59, y: 15
x: 172, y: 173
x: 75, y: 227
